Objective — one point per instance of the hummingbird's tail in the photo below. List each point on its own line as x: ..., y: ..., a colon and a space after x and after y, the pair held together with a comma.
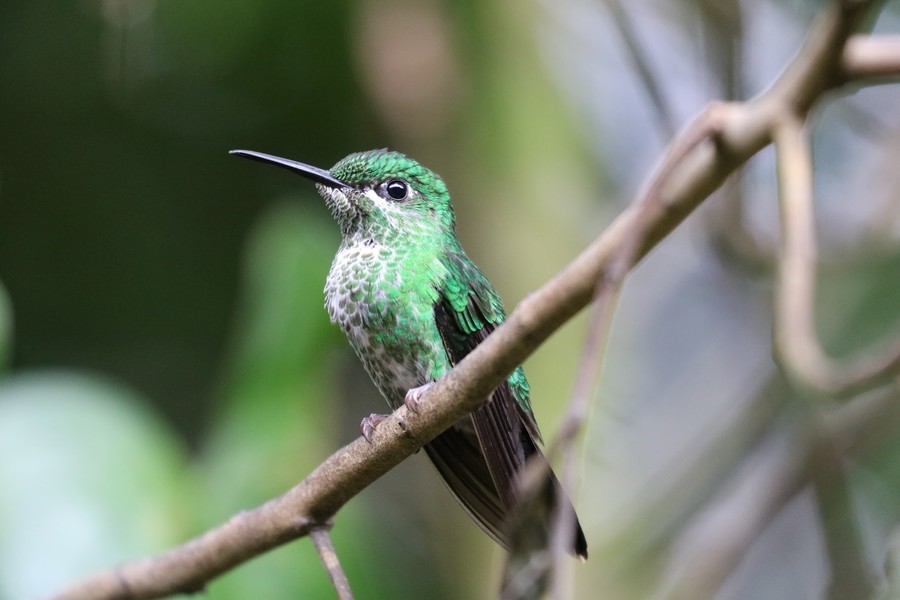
x: 483, y: 471
x: 458, y: 459
x: 539, y: 498
x: 511, y: 452
x: 531, y: 526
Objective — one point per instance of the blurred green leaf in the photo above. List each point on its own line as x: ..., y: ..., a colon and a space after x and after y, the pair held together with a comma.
x: 275, y: 423
x: 88, y: 478
x: 277, y: 388
x: 282, y: 325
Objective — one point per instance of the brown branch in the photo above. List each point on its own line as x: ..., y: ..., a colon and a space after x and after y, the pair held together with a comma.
x: 871, y: 57
x: 795, y: 337
x: 317, y: 498
x: 322, y: 541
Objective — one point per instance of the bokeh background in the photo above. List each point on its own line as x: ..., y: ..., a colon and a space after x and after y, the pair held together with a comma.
x: 165, y: 360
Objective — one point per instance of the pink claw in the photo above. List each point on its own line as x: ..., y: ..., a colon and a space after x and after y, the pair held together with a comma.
x: 411, y: 400
x: 367, y: 426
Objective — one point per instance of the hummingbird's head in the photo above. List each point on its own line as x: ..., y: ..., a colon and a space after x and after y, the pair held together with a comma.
x: 378, y: 193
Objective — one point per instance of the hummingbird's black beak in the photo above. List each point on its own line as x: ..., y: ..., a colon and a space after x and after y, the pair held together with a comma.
x: 314, y: 173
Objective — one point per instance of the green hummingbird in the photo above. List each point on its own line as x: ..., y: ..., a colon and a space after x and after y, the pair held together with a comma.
x: 413, y: 305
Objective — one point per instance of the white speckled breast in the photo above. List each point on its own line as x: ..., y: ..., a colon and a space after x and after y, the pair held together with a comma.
x: 386, y: 316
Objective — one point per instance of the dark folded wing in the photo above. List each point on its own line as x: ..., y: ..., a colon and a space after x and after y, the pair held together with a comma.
x: 479, y: 459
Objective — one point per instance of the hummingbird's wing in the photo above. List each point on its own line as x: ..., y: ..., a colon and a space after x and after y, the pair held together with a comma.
x: 457, y: 456
x: 468, y: 311
x: 501, y: 438
x: 480, y: 469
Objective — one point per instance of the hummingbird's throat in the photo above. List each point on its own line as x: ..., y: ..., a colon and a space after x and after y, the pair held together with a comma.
x: 340, y: 203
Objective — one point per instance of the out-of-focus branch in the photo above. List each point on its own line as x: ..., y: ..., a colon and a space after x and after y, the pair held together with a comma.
x: 745, y: 129
x: 871, y: 57
x: 720, y: 536
x: 717, y: 540
x: 322, y: 540
x: 730, y: 232
x: 851, y: 576
x: 795, y: 337
x: 664, y: 115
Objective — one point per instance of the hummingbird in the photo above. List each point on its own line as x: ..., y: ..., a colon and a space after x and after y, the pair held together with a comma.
x: 412, y: 305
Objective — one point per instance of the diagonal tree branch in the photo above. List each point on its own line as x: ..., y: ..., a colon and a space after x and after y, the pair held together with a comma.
x: 745, y: 130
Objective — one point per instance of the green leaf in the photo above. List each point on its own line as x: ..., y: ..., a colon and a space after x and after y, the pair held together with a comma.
x: 88, y: 478
x: 277, y: 398
x: 276, y: 421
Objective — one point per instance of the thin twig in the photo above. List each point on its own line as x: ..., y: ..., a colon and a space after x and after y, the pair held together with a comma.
x: 707, y: 126
x: 795, y: 337
x: 729, y: 229
x: 664, y: 114
x: 322, y: 540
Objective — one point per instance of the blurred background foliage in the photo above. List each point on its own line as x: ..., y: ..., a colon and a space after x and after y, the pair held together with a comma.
x: 165, y: 360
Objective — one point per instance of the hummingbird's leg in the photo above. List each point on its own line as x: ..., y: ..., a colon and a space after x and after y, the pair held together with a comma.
x: 367, y: 426
x: 411, y: 400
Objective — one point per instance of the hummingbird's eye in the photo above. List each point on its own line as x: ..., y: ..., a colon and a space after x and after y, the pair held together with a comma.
x: 397, y: 189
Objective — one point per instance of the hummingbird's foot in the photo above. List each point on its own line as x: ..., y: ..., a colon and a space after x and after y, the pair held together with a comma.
x: 367, y: 426
x: 411, y: 400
